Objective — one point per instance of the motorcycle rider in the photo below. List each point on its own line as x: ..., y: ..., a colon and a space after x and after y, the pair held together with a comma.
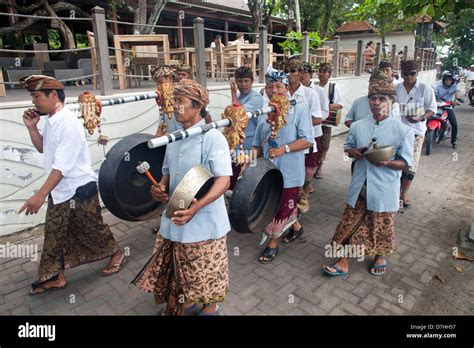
x: 470, y: 84
x: 447, y: 90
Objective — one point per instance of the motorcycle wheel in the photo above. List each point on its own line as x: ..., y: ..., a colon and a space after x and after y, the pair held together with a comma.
x: 430, y: 138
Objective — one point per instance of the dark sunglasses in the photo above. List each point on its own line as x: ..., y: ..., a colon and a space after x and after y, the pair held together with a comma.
x: 411, y: 73
x: 292, y: 71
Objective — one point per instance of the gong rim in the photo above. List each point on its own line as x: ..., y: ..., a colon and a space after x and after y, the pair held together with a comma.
x: 124, y: 191
x: 195, y: 184
x: 379, y: 153
x: 256, y: 197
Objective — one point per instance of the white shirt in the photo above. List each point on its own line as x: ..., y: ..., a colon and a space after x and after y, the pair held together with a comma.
x: 470, y: 75
x: 65, y: 149
x: 337, y: 99
x: 420, y: 98
x: 324, y: 102
x: 337, y: 92
x: 308, y: 96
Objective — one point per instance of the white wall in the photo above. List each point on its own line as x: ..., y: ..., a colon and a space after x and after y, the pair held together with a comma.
x: 20, y: 165
x: 400, y: 39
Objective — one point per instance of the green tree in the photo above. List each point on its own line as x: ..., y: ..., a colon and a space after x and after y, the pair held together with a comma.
x: 459, y: 39
x: 437, y: 9
x: 384, y: 15
x: 322, y: 16
x: 293, y: 44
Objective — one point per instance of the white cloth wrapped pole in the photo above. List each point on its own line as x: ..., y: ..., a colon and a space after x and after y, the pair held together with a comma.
x: 183, y: 134
x: 116, y: 101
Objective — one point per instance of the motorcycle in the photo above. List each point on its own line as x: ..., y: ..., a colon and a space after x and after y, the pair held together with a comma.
x: 437, y: 126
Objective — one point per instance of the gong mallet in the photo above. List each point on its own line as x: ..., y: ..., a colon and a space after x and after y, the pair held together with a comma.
x: 144, y: 168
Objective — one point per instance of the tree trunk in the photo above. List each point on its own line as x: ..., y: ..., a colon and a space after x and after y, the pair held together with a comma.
x: 61, y: 26
x: 141, y: 16
x: 326, y: 18
x: 59, y: 6
x: 155, y: 15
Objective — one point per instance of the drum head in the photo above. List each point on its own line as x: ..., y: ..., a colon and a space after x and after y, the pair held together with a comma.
x: 256, y: 197
x: 124, y: 191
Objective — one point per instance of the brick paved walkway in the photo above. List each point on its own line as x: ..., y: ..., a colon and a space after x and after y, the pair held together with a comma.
x: 294, y: 283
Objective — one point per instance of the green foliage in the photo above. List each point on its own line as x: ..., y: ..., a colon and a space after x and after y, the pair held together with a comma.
x: 438, y: 9
x: 294, y: 45
x: 459, y: 39
x: 32, y: 39
x: 54, y: 39
x: 82, y: 41
x: 323, y: 16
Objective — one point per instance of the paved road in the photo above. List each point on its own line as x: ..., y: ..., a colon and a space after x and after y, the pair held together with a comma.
x: 443, y: 203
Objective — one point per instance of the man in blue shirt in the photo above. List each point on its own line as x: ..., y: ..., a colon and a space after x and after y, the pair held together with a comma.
x: 367, y: 226
x: 189, y: 265
x: 447, y: 90
x: 292, y: 139
x: 251, y: 101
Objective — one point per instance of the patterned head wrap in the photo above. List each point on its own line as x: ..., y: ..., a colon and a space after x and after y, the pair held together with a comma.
x: 185, y: 68
x: 378, y: 84
x: 192, y: 90
x: 163, y: 70
x: 38, y: 82
x: 277, y: 76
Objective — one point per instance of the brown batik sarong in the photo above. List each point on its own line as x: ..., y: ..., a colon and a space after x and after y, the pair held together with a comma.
x: 74, y: 234
x: 180, y: 273
x: 359, y: 226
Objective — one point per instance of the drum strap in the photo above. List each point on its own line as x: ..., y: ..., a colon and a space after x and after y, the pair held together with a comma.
x: 331, y: 92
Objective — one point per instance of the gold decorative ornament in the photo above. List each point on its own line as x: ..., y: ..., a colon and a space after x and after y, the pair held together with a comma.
x: 165, y: 92
x: 276, y: 119
x: 235, y: 134
x: 91, y: 109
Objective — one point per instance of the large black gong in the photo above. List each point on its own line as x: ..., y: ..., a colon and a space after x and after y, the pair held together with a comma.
x: 124, y: 191
x: 256, y: 197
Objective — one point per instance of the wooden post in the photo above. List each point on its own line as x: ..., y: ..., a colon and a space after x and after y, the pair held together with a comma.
x: 102, y: 49
x: 336, y: 55
x: 3, y: 93
x: 359, y: 58
x: 417, y: 51
x: 226, y: 32
x: 199, y: 46
x: 394, y: 53
x: 180, y: 32
x: 114, y: 18
x: 263, y: 53
x: 305, y: 46
x: 43, y: 57
x: 405, y: 52
x: 377, y: 55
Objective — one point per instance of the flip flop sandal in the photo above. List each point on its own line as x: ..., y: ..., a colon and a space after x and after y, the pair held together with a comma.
x: 269, y: 253
x: 376, y: 267
x: 118, y: 267
x: 338, y: 272
x: 216, y: 313
x: 291, y: 236
x: 40, y: 285
x: 192, y: 310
